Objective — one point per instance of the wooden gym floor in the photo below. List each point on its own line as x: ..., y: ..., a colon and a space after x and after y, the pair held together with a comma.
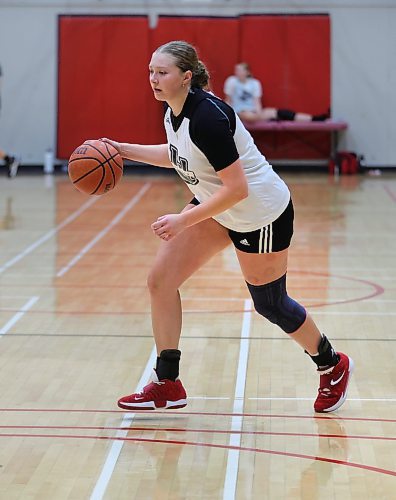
x: 75, y: 335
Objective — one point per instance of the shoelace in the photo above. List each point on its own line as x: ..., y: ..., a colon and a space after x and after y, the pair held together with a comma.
x: 325, y: 391
x: 326, y: 372
x: 158, y: 382
x: 149, y: 389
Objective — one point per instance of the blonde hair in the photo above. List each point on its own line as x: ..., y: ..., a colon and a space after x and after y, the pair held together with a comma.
x: 186, y: 59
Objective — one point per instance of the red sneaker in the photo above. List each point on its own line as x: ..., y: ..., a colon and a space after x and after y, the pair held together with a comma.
x: 158, y: 394
x: 334, y: 385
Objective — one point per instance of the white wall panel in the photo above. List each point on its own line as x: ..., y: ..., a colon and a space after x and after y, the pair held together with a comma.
x: 363, y: 65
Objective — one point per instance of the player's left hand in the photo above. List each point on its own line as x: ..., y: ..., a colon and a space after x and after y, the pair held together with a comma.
x: 168, y: 226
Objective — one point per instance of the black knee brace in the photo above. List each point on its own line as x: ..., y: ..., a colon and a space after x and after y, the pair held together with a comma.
x: 285, y: 114
x: 272, y: 302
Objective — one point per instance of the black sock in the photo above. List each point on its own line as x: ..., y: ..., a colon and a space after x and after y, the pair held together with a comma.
x: 168, y: 364
x: 285, y: 114
x: 326, y: 357
x: 319, y: 118
x: 322, y: 117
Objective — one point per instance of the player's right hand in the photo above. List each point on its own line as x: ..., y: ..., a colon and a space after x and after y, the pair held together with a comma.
x: 115, y: 144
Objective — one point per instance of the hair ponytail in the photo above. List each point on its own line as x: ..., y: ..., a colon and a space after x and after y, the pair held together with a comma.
x: 200, y: 76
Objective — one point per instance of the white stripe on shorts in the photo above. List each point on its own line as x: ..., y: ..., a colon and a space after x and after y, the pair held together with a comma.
x: 261, y: 240
x: 265, y: 239
x: 270, y: 238
x: 266, y: 246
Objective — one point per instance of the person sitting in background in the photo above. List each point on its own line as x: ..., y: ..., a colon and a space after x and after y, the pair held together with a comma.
x: 243, y: 92
x: 10, y: 162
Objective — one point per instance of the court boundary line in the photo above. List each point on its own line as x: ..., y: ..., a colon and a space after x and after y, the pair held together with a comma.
x: 120, y: 437
x: 29, y: 249
x: 181, y: 413
x: 232, y: 467
x: 18, y: 315
x: 132, y: 202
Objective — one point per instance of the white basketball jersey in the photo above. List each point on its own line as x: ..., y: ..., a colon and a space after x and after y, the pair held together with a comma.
x: 208, y: 136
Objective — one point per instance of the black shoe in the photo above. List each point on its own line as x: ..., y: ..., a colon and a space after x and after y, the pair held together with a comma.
x: 322, y: 117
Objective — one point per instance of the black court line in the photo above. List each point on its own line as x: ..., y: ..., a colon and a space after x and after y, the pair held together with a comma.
x: 184, y: 337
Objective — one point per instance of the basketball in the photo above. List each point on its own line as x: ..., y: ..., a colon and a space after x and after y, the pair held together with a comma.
x: 95, y: 167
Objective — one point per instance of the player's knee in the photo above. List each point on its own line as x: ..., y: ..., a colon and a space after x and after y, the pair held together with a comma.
x: 272, y: 302
x: 156, y: 281
x: 160, y: 280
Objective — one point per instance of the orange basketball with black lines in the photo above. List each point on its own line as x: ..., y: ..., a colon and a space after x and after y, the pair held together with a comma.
x: 95, y: 167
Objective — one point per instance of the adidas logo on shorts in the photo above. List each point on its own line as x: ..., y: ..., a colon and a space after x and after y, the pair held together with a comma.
x: 245, y: 242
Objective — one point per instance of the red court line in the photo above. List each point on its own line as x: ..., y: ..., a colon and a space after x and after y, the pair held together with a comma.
x: 297, y: 253
x: 189, y: 285
x: 123, y: 313
x: 196, y: 413
x: 377, y: 290
x: 199, y: 431
x: 391, y: 193
x: 211, y: 445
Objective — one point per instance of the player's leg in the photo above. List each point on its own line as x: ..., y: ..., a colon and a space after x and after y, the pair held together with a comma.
x: 263, y: 114
x: 249, y: 116
x: 11, y: 163
x: 268, y: 114
x: 176, y: 260
x: 265, y: 274
x: 289, y: 115
x: 303, y: 117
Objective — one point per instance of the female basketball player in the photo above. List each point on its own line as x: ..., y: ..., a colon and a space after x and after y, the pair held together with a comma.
x: 238, y: 198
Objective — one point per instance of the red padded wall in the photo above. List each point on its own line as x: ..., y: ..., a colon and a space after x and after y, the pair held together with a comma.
x: 290, y: 55
x: 102, y: 79
x: 217, y: 41
x: 103, y: 87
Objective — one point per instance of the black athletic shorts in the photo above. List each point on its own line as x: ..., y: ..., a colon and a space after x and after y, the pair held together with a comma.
x: 272, y: 238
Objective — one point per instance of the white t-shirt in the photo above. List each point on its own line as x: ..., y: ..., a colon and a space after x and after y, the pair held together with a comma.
x: 207, y: 137
x: 243, y: 94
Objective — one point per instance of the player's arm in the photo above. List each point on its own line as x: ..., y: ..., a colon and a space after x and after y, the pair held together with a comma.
x: 257, y: 104
x: 212, y: 132
x: 233, y: 190
x: 153, y: 154
x: 257, y: 93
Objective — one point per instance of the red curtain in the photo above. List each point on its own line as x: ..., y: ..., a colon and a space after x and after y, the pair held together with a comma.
x: 103, y: 87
